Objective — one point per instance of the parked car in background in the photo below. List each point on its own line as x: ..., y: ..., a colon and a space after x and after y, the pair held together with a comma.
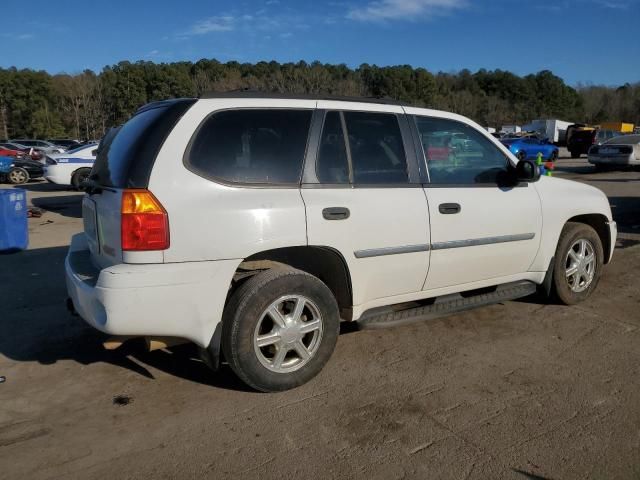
x: 582, y: 139
x: 254, y: 224
x: 43, y: 145
x: 64, y: 142
x: 623, y: 150
x: 5, y: 151
x: 22, y: 170
x: 71, y: 167
x: 26, y: 151
x: 529, y: 147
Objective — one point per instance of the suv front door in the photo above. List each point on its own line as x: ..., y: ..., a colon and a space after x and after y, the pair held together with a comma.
x: 363, y: 198
x: 479, y: 229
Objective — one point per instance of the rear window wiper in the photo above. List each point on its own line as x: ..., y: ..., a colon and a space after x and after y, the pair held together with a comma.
x: 92, y: 187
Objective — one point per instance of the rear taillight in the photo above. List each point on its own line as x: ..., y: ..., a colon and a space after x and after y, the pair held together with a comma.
x: 144, y: 222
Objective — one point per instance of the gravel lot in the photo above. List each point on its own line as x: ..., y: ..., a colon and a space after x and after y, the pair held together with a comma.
x: 516, y: 390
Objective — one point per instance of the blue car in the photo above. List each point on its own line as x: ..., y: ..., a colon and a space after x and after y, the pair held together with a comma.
x: 528, y: 148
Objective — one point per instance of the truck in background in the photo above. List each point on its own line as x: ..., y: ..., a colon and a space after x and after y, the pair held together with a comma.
x: 621, y: 127
x: 511, y: 129
x: 552, y: 129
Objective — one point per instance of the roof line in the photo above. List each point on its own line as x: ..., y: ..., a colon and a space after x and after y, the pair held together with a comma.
x: 300, y: 96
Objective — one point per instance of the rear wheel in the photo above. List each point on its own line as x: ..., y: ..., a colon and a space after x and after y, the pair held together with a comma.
x: 18, y: 176
x: 79, y: 177
x: 279, y: 329
x: 575, y: 154
x: 578, y: 263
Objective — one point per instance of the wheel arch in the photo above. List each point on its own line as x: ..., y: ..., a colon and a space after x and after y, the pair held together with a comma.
x: 323, y: 262
x: 598, y: 222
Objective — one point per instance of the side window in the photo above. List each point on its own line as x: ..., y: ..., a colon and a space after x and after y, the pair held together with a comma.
x: 332, y: 165
x: 251, y: 146
x: 457, y: 153
x: 375, y: 143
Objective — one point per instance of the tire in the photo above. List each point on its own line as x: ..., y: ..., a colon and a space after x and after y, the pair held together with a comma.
x: 79, y: 176
x: 18, y: 176
x: 554, y: 156
x: 571, y: 289
x: 575, y: 154
x: 249, y: 316
x: 600, y: 167
x: 522, y: 155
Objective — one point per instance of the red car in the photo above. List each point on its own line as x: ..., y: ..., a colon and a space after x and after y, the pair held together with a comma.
x: 7, y: 152
x: 11, y: 150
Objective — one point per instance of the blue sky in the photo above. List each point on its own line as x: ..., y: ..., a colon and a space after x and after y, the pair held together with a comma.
x: 588, y: 41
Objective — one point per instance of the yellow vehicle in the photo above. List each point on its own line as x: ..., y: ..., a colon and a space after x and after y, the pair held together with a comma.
x: 617, y: 126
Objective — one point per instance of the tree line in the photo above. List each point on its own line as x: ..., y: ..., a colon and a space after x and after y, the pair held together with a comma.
x: 39, y: 105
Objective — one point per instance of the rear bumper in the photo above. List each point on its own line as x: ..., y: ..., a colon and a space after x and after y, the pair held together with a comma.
x: 613, y: 234
x: 612, y: 160
x: 183, y: 300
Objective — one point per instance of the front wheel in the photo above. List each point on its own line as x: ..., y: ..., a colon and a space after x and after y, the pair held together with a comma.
x: 18, y: 176
x: 279, y: 329
x: 578, y: 263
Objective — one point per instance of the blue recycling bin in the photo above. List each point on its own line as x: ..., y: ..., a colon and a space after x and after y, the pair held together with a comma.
x: 14, y: 230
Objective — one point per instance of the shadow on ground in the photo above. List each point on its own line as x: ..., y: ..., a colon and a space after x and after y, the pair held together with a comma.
x: 42, y: 186
x: 66, y: 205
x: 36, y: 327
x: 626, y: 212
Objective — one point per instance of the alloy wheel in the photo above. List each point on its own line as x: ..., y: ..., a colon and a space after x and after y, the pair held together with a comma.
x: 580, y: 265
x: 288, y: 334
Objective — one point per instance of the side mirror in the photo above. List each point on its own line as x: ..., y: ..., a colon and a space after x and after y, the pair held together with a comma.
x: 527, y: 171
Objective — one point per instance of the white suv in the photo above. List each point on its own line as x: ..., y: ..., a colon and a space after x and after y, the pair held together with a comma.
x: 253, y: 225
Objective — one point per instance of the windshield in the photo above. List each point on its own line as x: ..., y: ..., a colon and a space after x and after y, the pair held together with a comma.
x: 624, y: 140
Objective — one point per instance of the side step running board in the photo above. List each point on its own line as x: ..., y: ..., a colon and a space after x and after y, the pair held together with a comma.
x: 447, y: 305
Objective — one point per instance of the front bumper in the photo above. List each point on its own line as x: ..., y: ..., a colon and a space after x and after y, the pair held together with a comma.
x: 182, y: 300
x: 53, y: 175
x: 613, y: 235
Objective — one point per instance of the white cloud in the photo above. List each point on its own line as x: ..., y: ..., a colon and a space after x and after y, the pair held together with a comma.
x: 383, y: 10
x: 212, y: 24
x: 249, y: 23
x: 18, y: 36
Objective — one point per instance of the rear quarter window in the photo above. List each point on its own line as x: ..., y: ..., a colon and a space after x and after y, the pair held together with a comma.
x: 251, y: 146
x: 126, y: 155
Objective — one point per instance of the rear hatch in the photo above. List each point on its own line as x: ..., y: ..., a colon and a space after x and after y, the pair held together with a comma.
x: 581, y: 139
x: 125, y: 159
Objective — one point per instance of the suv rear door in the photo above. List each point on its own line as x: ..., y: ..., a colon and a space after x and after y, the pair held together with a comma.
x: 363, y: 197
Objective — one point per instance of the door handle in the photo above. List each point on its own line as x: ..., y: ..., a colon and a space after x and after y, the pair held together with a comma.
x: 336, y: 213
x: 449, y: 208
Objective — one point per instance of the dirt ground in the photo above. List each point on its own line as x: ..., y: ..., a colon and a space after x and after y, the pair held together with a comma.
x: 519, y: 390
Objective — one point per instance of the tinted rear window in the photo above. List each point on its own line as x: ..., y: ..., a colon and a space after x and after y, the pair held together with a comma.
x: 251, y: 146
x: 126, y: 155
